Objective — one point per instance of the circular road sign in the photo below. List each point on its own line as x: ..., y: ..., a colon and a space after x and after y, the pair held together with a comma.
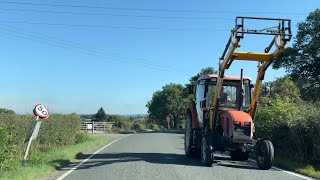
x: 41, y: 111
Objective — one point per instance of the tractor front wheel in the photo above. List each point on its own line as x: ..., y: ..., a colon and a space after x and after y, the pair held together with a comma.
x: 206, y: 152
x: 188, y: 137
x: 265, y: 154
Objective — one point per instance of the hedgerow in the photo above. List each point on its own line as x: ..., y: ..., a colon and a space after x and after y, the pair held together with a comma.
x: 294, y: 128
x: 59, y: 130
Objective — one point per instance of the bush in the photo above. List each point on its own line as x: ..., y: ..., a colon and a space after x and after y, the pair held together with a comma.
x: 154, y: 126
x: 58, y: 130
x: 293, y: 128
x: 138, y: 127
x: 5, y: 155
x: 81, y: 138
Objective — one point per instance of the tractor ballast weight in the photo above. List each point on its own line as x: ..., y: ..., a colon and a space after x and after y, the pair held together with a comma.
x: 221, y: 118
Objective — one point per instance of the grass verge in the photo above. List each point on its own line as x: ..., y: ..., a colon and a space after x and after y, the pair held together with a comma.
x: 40, y: 164
x: 307, y: 170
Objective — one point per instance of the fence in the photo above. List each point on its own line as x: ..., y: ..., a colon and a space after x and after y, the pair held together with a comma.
x: 92, y: 127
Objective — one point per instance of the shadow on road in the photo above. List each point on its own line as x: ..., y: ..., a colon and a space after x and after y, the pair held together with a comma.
x: 178, y: 131
x: 154, y: 158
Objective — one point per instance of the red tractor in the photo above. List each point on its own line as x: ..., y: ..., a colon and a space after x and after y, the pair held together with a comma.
x: 222, y: 115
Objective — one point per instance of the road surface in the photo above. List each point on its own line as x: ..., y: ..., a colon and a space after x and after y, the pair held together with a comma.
x: 160, y: 156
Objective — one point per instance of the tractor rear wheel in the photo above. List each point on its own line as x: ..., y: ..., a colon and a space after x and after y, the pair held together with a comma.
x: 265, y: 154
x: 238, y: 155
x: 188, y: 137
x: 206, y: 152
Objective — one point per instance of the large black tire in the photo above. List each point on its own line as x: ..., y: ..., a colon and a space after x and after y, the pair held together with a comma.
x: 207, y: 154
x: 188, y: 137
x: 238, y: 155
x: 265, y: 155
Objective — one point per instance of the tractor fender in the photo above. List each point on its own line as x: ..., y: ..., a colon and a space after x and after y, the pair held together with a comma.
x: 194, y: 116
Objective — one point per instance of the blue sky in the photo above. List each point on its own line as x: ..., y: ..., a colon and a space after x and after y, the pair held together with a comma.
x: 78, y: 59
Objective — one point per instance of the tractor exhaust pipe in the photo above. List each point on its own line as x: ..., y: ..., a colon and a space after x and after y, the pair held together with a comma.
x: 241, y: 92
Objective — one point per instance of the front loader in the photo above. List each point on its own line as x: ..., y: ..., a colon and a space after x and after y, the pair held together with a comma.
x: 222, y: 116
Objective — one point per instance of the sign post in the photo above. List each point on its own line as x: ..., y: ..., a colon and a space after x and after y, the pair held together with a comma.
x: 41, y: 112
x: 168, y: 121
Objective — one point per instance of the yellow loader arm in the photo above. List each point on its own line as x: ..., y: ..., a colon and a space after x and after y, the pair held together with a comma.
x: 282, y: 34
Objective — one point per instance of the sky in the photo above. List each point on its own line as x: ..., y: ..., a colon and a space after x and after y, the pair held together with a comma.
x: 77, y: 56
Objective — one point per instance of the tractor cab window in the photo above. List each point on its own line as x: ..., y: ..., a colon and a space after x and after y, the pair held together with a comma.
x: 230, y: 94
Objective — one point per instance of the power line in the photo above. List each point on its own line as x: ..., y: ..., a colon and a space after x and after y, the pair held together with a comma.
x: 115, y: 15
x: 143, y: 9
x: 110, y: 27
x: 77, y: 47
x: 78, y: 50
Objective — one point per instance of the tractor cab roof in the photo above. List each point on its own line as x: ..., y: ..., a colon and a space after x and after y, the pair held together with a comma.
x: 230, y: 78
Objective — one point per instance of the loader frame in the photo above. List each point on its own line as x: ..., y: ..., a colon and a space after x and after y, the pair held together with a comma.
x: 282, y: 34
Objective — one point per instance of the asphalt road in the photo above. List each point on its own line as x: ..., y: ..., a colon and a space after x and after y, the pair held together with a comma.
x: 161, y: 156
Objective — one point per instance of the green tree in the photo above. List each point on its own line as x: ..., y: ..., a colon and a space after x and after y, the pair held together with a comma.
x: 207, y: 70
x: 285, y: 88
x: 302, y: 60
x: 6, y: 111
x: 100, y: 115
x: 172, y: 99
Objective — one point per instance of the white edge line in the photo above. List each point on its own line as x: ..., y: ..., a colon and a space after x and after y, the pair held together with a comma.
x: 292, y: 173
x: 78, y: 165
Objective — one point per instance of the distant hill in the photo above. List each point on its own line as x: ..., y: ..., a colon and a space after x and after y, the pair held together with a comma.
x: 89, y: 116
x: 135, y: 115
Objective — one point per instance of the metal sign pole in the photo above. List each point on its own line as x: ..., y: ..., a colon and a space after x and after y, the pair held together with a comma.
x: 28, y: 147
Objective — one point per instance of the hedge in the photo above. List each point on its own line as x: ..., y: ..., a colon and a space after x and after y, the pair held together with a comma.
x: 294, y: 128
x: 58, y: 130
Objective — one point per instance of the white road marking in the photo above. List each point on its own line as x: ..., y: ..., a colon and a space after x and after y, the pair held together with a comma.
x: 292, y: 173
x: 78, y: 165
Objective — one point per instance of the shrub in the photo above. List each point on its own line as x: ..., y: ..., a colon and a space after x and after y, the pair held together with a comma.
x: 81, y: 137
x: 58, y: 130
x: 293, y: 128
x: 5, y: 155
x: 138, y: 127
x: 154, y: 126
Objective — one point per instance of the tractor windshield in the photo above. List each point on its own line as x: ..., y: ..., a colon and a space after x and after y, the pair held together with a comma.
x: 230, y: 94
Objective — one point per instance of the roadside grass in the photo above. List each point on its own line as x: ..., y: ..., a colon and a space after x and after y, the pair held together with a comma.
x: 304, y: 169
x: 42, y: 163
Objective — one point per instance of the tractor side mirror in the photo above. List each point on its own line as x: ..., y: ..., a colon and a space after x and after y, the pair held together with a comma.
x: 251, y: 86
x: 190, y: 88
x: 203, y: 103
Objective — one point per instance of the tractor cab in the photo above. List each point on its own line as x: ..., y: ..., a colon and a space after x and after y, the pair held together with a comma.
x: 234, y: 94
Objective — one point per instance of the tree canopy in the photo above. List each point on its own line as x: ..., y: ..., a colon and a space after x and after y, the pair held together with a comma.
x: 100, y: 115
x: 6, y: 111
x: 285, y: 88
x: 302, y: 60
x: 171, y: 100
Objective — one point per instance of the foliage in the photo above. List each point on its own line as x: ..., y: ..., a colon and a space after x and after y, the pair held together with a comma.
x: 138, y: 127
x: 153, y: 126
x: 302, y: 60
x: 81, y: 138
x: 207, y: 70
x: 285, y: 87
x: 294, y: 128
x: 6, y: 111
x: 5, y: 154
x: 171, y: 100
x: 42, y: 163
x: 100, y: 115
x: 58, y: 130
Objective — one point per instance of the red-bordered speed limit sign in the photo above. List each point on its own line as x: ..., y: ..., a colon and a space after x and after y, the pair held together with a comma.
x: 41, y: 111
